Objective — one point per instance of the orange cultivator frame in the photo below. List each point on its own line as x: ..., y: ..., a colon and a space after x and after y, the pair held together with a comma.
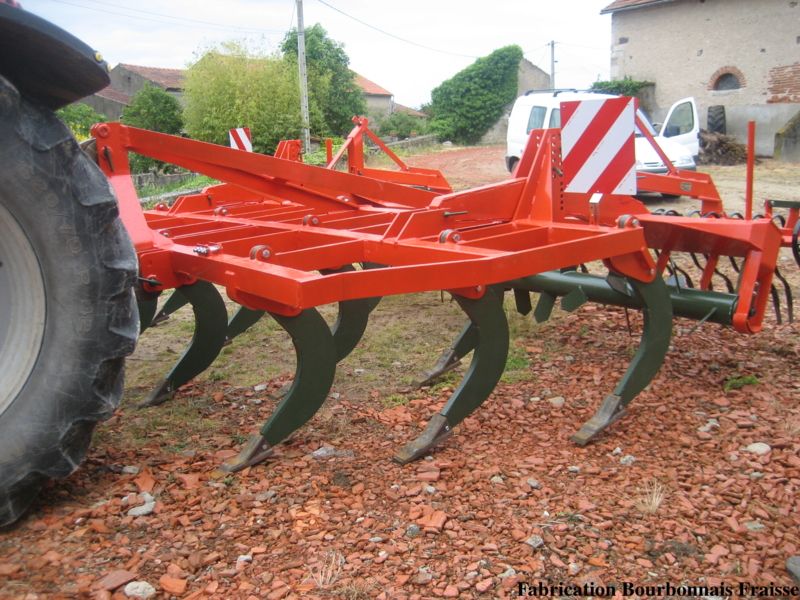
x: 284, y: 237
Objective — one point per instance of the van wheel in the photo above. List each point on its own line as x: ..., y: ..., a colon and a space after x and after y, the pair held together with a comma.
x: 511, y: 163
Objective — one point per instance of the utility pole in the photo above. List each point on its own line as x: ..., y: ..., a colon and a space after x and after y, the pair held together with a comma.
x: 552, y: 64
x: 301, y: 62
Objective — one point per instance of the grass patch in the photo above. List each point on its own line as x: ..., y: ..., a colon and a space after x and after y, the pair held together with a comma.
x: 393, y: 400
x: 517, y: 364
x: 737, y: 383
x: 192, y: 183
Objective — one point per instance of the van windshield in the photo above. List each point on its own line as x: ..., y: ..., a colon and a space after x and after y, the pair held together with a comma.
x: 536, y: 118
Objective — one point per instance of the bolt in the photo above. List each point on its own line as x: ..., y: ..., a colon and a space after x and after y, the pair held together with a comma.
x: 98, y: 57
x: 265, y: 253
x: 456, y: 237
x: 164, y: 232
x: 103, y: 131
x: 200, y: 250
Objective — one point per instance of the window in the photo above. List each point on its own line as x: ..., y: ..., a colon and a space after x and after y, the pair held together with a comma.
x: 536, y: 120
x: 555, y: 119
x: 727, y: 81
x: 680, y: 121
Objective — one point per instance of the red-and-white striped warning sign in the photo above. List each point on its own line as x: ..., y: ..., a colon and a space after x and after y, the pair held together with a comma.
x: 241, y: 139
x: 597, y: 146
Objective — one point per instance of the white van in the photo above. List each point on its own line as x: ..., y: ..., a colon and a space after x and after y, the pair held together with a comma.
x: 542, y: 110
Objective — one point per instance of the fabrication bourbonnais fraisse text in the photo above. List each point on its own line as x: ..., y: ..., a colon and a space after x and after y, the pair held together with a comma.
x: 661, y: 590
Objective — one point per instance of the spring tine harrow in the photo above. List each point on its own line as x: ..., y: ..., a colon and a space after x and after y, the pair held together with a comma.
x: 211, y: 320
x: 316, y: 366
x: 488, y: 318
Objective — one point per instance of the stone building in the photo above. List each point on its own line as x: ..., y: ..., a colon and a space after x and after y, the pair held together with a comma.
x: 380, y: 102
x: 740, y: 54
x: 129, y: 79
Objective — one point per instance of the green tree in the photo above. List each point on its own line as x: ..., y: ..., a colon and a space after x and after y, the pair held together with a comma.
x: 331, y: 84
x: 465, y: 106
x: 154, y: 109
x: 80, y: 118
x: 402, y: 125
x: 232, y: 86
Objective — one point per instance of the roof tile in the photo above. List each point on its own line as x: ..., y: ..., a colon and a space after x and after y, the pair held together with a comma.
x: 115, y: 95
x: 369, y: 87
x: 166, y: 78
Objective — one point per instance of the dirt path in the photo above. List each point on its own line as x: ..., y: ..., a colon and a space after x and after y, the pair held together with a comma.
x: 675, y: 492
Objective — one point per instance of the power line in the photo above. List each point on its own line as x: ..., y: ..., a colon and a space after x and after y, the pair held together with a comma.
x: 397, y: 37
x: 184, y: 21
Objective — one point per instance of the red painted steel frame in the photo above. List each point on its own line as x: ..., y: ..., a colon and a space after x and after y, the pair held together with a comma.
x: 268, y: 231
x: 311, y: 218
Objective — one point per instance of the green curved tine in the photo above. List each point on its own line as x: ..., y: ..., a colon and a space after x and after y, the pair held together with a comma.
x: 211, y: 319
x: 656, y: 335
x: 316, y: 366
x: 488, y: 363
x: 147, y: 304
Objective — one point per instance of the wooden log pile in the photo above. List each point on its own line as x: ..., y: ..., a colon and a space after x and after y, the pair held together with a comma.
x: 721, y: 149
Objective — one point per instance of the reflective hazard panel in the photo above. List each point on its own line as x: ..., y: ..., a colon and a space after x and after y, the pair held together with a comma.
x: 241, y: 139
x: 597, y: 146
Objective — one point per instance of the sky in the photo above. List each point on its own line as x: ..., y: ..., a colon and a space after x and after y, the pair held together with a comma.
x: 406, y: 47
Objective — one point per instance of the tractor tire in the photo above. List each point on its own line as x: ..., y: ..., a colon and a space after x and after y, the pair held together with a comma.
x: 716, y: 119
x: 67, y: 311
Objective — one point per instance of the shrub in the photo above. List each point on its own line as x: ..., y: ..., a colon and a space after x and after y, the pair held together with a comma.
x: 467, y: 105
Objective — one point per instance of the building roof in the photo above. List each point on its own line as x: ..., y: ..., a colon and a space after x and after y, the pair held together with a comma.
x: 370, y: 87
x: 171, y: 79
x: 409, y: 111
x: 620, y: 5
x: 110, y: 93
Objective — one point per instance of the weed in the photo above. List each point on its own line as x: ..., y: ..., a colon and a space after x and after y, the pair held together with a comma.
x: 328, y: 573
x: 737, y: 383
x: 357, y: 590
x: 651, y: 496
x: 216, y: 376
x: 394, y: 400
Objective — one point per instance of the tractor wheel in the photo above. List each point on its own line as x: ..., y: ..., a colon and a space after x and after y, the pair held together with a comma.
x: 67, y: 311
x: 716, y: 119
